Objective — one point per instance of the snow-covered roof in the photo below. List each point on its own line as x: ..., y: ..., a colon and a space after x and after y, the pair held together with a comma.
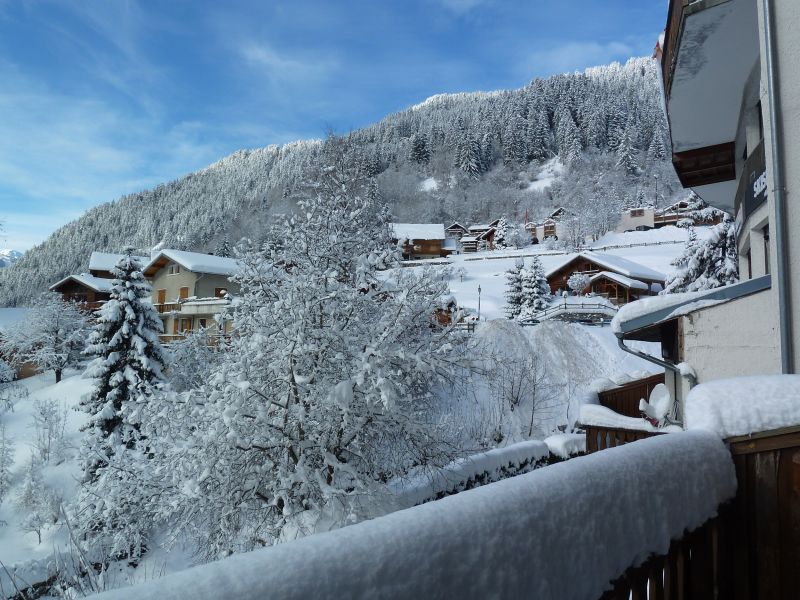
x: 651, y: 311
x: 197, y: 262
x: 744, y: 405
x: 9, y: 317
x: 418, y: 231
x: 617, y: 264
x: 105, y: 261
x: 629, y: 283
x: 457, y: 225
x: 469, y: 238
x: 98, y: 284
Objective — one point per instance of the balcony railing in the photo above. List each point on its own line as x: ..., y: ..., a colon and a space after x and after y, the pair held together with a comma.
x: 168, y: 307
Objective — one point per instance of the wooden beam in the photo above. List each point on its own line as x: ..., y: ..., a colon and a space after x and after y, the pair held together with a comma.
x: 706, y: 165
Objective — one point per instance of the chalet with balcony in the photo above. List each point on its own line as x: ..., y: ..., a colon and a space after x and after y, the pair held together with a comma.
x: 456, y: 231
x: 421, y: 240
x: 92, y: 289
x: 548, y: 228
x: 190, y: 290
x: 613, y: 277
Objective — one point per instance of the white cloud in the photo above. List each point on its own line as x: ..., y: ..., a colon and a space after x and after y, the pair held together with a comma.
x: 284, y: 66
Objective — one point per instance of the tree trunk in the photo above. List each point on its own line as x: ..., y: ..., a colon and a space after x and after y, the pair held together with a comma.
x: 58, y: 375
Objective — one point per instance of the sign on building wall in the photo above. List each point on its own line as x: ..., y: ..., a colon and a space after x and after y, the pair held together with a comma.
x: 752, y: 190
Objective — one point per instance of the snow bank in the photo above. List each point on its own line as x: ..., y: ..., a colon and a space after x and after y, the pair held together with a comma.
x: 429, y: 185
x: 471, y: 472
x: 600, y: 416
x: 744, y: 405
x: 565, y: 445
x: 523, y: 537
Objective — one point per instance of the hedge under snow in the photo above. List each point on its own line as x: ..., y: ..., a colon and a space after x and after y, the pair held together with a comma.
x: 744, y: 405
x: 563, y: 531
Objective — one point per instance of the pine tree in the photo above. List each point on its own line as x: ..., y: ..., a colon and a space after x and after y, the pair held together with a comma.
x: 514, y: 297
x: 626, y: 153
x: 224, y: 248
x: 535, y: 289
x: 487, y: 152
x: 128, y: 364
x: 420, y: 153
x: 709, y: 264
x: 502, y: 233
x: 656, y: 150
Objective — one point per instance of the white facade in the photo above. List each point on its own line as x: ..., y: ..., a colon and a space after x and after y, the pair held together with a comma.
x: 636, y: 218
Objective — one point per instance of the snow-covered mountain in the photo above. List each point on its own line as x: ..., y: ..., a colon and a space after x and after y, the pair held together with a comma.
x: 467, y: 156
x: 9, y: 257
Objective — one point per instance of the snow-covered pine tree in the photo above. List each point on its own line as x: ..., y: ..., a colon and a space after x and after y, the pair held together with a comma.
x: 656, y: 151
x: 536, y: 295
x: 224, y: 248
x: 514, y: 297
x: 626, y: 153
x: 128, y: 363
x: 419, y: 152
x: 50, y: 337
x: 35, y: 501
x: 128, y: 368
x: 502, y: 233
x: 323, y: 395
x: 711, y: 263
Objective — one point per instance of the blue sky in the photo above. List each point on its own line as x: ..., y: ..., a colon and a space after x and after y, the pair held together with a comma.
x: 104, y: 97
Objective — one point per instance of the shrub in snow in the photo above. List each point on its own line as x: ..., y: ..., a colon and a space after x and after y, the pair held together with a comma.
x: 49, y: 422
x: 190, y: 360
x: 6, y: 462
x: 324, y: 393
x: 38, y: 503
x: 50, y: 337
x: 711, y: 263
x: 578, y: 282
x: 6, y: 372
x: 502, y: 234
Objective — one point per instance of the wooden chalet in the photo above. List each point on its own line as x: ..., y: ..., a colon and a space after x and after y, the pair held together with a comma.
x: 619, y: 279
x: 85, y: 289
x: 421, y: 240
x: 681, y: 210
x: 456, y: 231
x: 478, y: 241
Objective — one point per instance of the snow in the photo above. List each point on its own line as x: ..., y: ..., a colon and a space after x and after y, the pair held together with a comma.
x: 418, y: 231
x: 429, y: 185
x: 10, y: 317
x: 491, y: 465
x: 520, y: 537
x: 199, y: 262
x: 98, y: 284
x: 663, y: 235
x: 550, y: 171
x: 566, y: 445
x: 634, y: 284
x: 18, y: 550
x: 105, y: 261
x: 600, y: 416
x: 659, y: 404
x: 744, y: 405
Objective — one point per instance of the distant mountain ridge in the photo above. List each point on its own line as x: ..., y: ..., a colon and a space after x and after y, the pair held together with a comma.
x: 9, y: 257
x: 478, y: 152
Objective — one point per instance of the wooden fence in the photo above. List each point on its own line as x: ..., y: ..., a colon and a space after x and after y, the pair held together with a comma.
x: 624, y: 399
x: 600, y: 438
x: 751, y: 551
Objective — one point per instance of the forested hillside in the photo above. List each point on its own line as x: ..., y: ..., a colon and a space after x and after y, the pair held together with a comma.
x: 468, y: 156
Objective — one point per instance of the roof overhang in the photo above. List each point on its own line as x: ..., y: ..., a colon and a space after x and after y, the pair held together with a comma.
x: 647, y: 327
x: 156, y: 264
x: 710, y: 52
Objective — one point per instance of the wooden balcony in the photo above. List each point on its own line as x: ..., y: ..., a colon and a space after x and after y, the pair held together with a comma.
x: 168, y: 307
x: 624, y: 399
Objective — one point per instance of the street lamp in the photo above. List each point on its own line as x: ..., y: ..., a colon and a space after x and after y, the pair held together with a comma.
x: 479, y: 302
x: 655, y: 176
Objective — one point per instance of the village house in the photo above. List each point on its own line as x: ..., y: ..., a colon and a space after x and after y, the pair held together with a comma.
x: 190, y: 290
x: 422, y: 240
x: 456, y: 231
x: 548, y: 228
x: 613, y: 277
x: 91, y: 289
x: 637, y: 219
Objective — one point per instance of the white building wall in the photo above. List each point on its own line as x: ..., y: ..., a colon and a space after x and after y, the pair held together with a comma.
x: 628, y: 222
x: 729, y: 340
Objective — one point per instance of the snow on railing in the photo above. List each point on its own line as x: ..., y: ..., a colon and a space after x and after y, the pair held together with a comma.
x: 471, y: 472
x: 564, y: 531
